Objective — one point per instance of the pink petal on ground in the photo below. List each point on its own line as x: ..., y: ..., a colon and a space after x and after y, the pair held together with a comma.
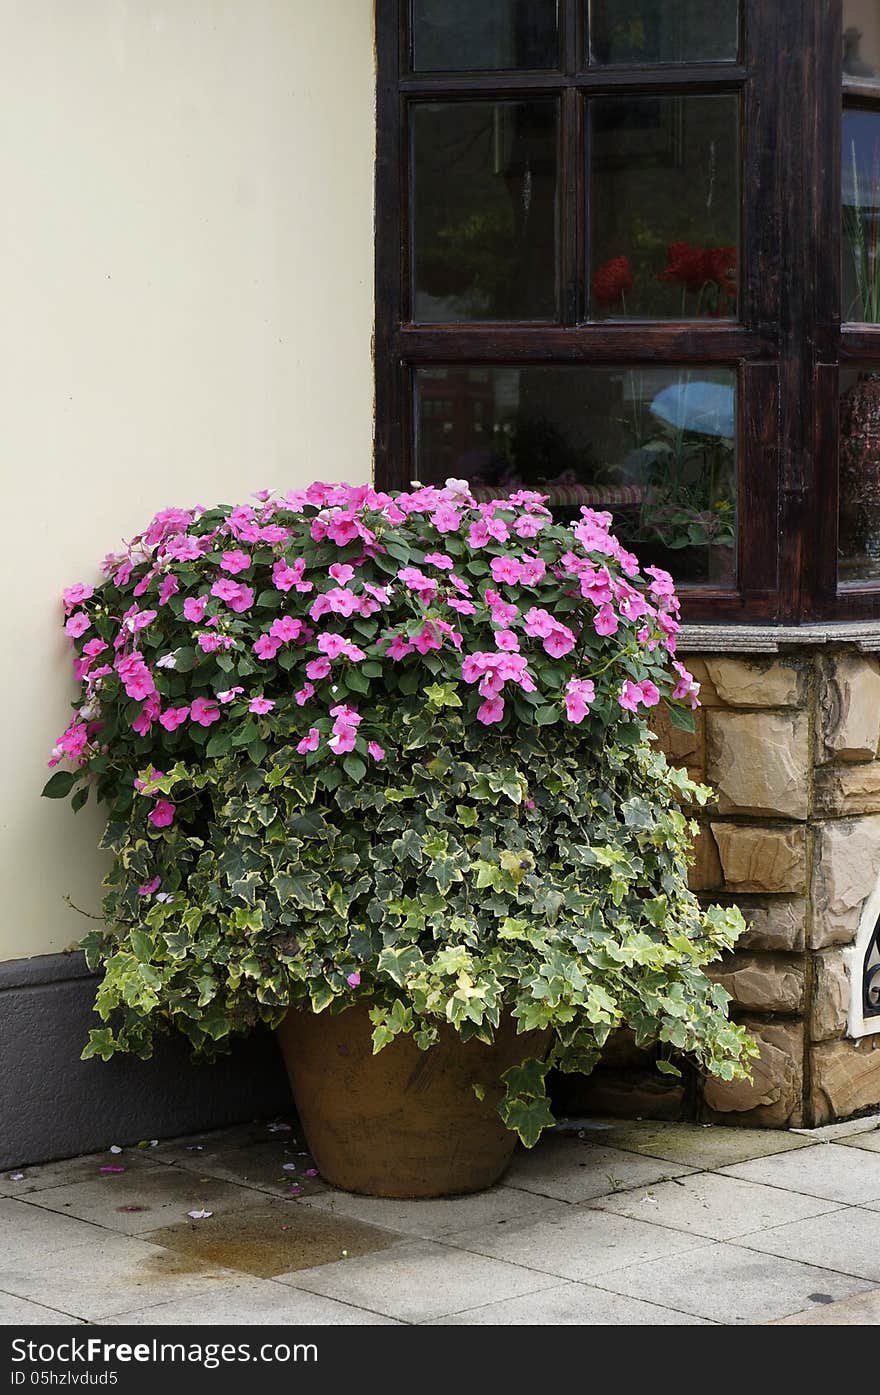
x: 112, y: 1170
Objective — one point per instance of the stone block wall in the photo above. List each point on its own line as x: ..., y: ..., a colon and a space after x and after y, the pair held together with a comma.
x: 789, y: 742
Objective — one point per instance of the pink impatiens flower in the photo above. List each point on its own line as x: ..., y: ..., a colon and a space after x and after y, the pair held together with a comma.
x: 306, y: 691
x: 76, y: 595
x: 286, y: 577
x: 353, y: 981
x: 579, y: 694
x: 173, y: 717
x: 229, y: 695
x: 260, y: 706
x: 341, y: 572
x: 238, y: 598
x: 633, y: 695
x: 204, y: 711
x: 318, y: 668
x: 194, y: 608
x: 169, y: 587
x: 235, y: 561
x: 687, y: 686
x: 375, y: 750
x: 149, y: 887
x: 266, y: 647
x: 162, y: 813
x: 310, y: 742
x: 492, y: 710
x: 77, y: 624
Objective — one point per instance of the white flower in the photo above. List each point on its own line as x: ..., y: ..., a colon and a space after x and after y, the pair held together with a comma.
x: 167, y: 661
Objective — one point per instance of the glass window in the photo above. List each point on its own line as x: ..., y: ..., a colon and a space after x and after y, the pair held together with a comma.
x: 664, y: 31
x: 460, y: 35
x: 484, y: 210
x: 861, y: 40
x: 861, y: 215
x: 655, y: 446
x: 859, y: 533
x: 665, y: 208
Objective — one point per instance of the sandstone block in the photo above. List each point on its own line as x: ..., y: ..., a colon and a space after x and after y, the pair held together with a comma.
x: 849, y: 707
x: 846, y: 1078
x: 845, y: 871
x: 762, y: 983
x: 775, y: 925
x: 774, y: 1097
x: 679, y: 747
x: 830, y: 1005
x: 761, y: 859
x: 755, y: 683
x: 847, y: 789
x: 705, y: 872
x: 758, y: 762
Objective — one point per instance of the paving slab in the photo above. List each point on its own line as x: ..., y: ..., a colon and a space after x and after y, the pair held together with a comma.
x: 269, y: 1166
x: 251, y: 1303
x: 418, y: 1281
x: 850, y: 1175
x: 701, y: 1146
x: 861, y: 1311
x: 846, y: 1241
x: 571, y: 1170
x: 732, y: 1285
x: 112, y: 1274
x: 581, y: 1245
x: 18, y: 1312
x: 26, y: 1229
x: 720, y: 1208
x: 140, y: 1201
x: 571, y: 1305
x: 836, y: 1133
x: 435, y: 1219
x: 870, y: 1142
x: 69, y: 1170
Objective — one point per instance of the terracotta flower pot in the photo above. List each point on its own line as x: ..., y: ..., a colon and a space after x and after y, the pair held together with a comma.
x: 405, y: 1122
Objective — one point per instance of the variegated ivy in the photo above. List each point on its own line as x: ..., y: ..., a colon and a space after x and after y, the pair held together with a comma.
x: 356, y: 746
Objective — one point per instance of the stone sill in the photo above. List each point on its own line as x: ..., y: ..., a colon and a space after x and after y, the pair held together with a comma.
x: 772, y: 639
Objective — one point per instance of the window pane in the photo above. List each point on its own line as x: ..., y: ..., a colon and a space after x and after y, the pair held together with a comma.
x: 450, y: 35
x: 861, y: 216
x: 654, y: 446
x: 664, y: 31
x: 665, y: 206
x: 861, y: 39
x: 859, y: 540
x: 484, y: 211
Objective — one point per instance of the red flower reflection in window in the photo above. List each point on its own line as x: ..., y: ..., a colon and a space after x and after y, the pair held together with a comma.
x: 706, y: 272
x: 612, y: 281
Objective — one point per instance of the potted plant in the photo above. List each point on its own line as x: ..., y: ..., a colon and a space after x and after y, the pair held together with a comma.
x: 377, y: 774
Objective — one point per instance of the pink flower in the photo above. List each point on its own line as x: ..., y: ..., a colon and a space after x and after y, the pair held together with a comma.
x: 162, y: 813
x: 557, y: 638
x: 93, y: 647
x: 687, y: 686
x: 75, y: 595
x: 532, y: 570
x: 439, y: 560
x: 462, y: 606
x: 398, y: 648
x: 528, y: 526
x: 650, y: 693
x: 375, y: 750
x: 341, y: 572
x: 286, y: 628
x: 506, y: 569
x: 77, y: 625
x: 135, y: 619
x: 235, y: 562
x: 632, y: 695
x: 183, y: 548
x: 332, y: 645
x: 343, y: 738
x: 229, y: 695
x: 413, y: 579
x: 285, y: 577
x: 260, y: 706
x: 605, y: 622
x: 353, y: 981
x: 492, y: 710
x: 306, y: 691
x: 149, y: 887
x: 579, y: 694
x: 169, y: 587
x: 446, y: 519
x: 194, y: 608
x: 173, y: 717
x: 310, y: 742
x: 266, y: 647
x: 507, y: 639
x: 204, y: 711
x: 318, y: 668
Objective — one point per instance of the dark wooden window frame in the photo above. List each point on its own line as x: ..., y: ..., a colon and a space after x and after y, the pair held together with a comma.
x: 788, y: 342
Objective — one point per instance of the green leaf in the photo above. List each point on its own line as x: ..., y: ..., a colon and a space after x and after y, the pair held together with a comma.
x: 79, y: 799
x: 546, y: 716
x: 185, y: 660
x: 682, y: 718
x: 354, y: 768
x: 59, y: 784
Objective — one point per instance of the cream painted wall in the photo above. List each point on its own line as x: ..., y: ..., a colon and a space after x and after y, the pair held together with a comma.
x: 186, y: 262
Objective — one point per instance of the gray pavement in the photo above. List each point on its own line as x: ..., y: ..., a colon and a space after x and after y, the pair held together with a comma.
x: 606, y: 1222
